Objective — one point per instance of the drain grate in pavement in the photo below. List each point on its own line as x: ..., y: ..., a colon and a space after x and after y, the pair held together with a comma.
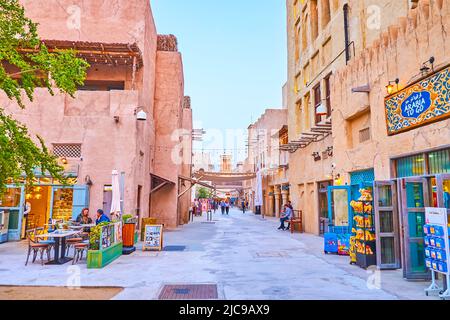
x: 174, y: 248
x: 272, y: 254
x: 189, y: 292
x: 210, y: 222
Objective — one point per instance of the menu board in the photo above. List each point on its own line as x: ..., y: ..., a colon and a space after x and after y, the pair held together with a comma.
x: 153, y: 237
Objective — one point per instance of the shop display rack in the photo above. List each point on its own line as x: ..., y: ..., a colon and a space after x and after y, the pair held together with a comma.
x: 437, y: 250
x: 364, y: 234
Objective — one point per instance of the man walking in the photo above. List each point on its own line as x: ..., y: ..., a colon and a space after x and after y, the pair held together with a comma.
x: 227, y: 207
x: 243, y: 206
x: 222, y: 207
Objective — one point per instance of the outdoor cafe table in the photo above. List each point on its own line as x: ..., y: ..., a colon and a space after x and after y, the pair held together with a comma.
x: 60, y: 239
x: 82, y: 226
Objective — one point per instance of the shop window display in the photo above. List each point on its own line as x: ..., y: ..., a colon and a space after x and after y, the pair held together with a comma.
x: 11, y: 199
x: 62, y: 204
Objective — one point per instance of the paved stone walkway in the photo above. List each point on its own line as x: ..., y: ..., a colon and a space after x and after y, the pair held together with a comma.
x: 247, y: 257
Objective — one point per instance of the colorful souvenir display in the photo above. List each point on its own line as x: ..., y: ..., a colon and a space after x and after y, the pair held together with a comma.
x: 435, y: 251
x: 363, y: 231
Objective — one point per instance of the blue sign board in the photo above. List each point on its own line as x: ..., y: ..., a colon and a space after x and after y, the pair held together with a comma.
x: 416, y: 104
x: 421, y: 103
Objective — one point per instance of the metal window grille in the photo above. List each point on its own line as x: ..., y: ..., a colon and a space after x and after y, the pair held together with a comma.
x: 364, y: 135
x: 67, y: 150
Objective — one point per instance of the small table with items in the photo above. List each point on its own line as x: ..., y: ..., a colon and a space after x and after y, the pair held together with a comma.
x: 60, y: 240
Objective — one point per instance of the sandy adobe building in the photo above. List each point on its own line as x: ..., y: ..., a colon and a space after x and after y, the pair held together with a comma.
x: 323, y: 36
x: 133, y: 69
x: 391, y: 116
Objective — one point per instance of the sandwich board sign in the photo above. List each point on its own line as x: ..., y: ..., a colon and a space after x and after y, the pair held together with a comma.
x: 153, y: 238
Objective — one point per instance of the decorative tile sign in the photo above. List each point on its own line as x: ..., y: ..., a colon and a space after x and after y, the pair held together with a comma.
x: 421, y: 103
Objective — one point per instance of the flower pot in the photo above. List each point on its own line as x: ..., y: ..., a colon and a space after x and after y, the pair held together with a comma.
x: 128, y: 231
x: 128, y: 236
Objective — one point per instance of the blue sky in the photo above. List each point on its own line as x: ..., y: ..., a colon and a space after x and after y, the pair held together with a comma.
x: 234, y: 55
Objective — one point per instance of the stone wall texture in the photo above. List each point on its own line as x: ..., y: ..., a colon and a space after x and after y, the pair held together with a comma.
x: 397, y: 53
x: 104, y: 122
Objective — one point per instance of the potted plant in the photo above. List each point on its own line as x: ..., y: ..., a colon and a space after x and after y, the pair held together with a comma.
x: 128, y: 233
x: 103, y: 248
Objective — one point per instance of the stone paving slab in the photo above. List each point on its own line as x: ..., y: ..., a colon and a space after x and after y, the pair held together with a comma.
x: 244, y: 255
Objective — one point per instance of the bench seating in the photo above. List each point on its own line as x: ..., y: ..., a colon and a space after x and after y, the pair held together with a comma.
x: 297, y: 219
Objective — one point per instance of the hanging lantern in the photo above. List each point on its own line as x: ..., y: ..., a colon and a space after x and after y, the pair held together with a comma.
x: 321, y: 110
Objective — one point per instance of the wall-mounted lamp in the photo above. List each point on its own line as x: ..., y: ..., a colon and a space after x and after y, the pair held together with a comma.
x: 338, y: 180
x: 316, y: 156
x: 140, y: 114
x: 322, y: 110
x: 116, y: 119
x: 330, y: 151
x: 64, y: 161
x: 88, y: 181
x: 391, y: 87
x: 425, y: 68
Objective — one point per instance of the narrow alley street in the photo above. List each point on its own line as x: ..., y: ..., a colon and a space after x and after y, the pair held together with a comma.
x: 244, y: 255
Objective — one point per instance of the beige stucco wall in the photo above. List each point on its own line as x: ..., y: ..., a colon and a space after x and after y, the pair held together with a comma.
x: 169, y: 96
x: 264, y: 145
x: 128, y: 145
x: 398, y: 53
x: 317, y: 59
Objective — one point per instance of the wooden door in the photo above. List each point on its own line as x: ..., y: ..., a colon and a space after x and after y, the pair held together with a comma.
x: 414, y: 197
x: 387, y: 225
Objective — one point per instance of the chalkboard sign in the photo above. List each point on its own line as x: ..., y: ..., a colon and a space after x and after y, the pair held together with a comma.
x: 153, y: 237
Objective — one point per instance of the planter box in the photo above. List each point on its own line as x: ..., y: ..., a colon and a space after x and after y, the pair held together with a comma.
x: 100, y: 258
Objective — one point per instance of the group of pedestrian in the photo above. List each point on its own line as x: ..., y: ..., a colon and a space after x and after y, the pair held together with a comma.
x: 225, y: 207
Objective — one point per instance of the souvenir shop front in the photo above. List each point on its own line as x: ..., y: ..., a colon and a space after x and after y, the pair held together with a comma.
x: 344, y: 235
x: 422, y: 180
x: 23, y: 209
x: 388, y: 219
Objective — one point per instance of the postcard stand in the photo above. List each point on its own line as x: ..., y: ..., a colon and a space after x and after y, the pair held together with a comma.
x: 437, y: 250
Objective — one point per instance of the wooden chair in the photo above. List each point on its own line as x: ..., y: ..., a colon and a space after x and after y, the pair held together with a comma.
x: 36, y: 247
x: 79, y: 250
x: 296, y: 219
x: 71, y: 242
x: 40, y: 231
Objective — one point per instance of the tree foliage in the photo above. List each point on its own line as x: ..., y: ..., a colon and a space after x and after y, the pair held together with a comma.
x: 26, y: 63
x: 204, y: 193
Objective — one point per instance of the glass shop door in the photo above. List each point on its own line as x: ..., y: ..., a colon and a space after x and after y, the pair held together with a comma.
x: 443, y: 191
x: 339, y: 209
x: 12, y: 203
x: 387, y: 225
x: 415, y: 197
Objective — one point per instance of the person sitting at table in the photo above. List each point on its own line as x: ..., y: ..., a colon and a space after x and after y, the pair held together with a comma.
x: 101, y: 217
x: 83, y: 217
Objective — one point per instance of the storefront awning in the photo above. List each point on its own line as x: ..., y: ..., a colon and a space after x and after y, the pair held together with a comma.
x: 194, y: 181
x: 220, y: 178
x: 158, y: 183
